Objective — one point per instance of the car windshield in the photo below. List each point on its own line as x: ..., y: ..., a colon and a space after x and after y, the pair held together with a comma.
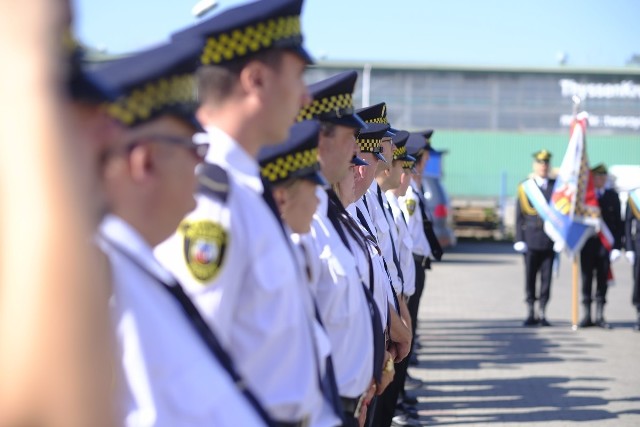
x: 433, y: 191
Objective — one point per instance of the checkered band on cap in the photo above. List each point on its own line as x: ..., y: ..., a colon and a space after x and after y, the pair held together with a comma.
x: 341, y: 104
x: 399, y: 152
x: 369, y: 145
x: 250, y: 39
x: 281, y: 168
x: 142, y: 103
x: 408, y: 164
x: 382, y: 120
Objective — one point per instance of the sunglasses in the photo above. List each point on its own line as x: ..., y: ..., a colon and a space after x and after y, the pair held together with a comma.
x: 198, y: 150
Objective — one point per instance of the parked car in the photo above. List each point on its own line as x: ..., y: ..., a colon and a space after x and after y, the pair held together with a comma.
x: 440, y: 209
x: 624, y: 178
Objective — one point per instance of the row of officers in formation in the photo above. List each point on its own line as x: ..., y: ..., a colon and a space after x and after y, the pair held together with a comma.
x: 616, y: 230
x: 279, y: 284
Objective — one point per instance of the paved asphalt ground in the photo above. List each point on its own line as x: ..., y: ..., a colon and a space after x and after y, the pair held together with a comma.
x: 482, y: 368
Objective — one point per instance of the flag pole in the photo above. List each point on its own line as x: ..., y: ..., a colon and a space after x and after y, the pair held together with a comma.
x: 574, y: 293
x: 574, y: 270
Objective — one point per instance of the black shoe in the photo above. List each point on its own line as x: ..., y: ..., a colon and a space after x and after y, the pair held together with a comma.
x: 586, y: 323
x: 413, y: 360
x: 412, y: 383
x: 409, y: 410
x: 409, y: 399
x: 601, y: 323
x: 404, y: 420
x: 544, y: 322
x: 530, y: 321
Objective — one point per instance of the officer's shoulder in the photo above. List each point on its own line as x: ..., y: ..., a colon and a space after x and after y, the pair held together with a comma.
x: 213, y: 181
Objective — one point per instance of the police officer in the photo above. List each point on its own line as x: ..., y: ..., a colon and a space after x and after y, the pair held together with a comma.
x: 395, y: 183
x: 232, y: 253
x: 632, y: 245
x: 594, y: 255
x: 346, y: 304
x: 174, y: 371
x: 531, y: 239
x: 376, y: 204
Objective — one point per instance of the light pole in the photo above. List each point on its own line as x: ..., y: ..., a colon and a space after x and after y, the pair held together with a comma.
x: 202, y: 7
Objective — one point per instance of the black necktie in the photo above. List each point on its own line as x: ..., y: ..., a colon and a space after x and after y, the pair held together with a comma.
x: 394, y: 253
x: 436, y: 249
x: 376, y: 321
x: 203, y: 330
x: 267, y: 195
x: 362, y: 219
x: 328, y: 381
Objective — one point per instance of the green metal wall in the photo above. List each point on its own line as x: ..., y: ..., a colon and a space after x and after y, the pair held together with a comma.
x: 482, y: 164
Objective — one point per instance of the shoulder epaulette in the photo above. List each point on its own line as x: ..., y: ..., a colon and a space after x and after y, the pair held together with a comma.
x: 635, y: 210
x: 525, y: 205
x: 213, y: 181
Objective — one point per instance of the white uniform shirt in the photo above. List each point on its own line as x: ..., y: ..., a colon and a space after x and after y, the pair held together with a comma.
x: 309, y: 261
x: 379, y: 215
x: 249, y: 289
x: 404, y: 246
x: 381, y: 283
x: 410, y: 205
x: 170, y: 377
x: 342, y: 304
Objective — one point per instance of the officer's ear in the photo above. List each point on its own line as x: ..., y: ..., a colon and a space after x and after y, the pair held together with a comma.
x: 280, y: 195
x: 253, y: 77
x: 142, y: 162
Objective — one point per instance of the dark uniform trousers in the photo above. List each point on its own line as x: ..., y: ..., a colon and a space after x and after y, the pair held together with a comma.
x: 594, y: 256
x: 414, y: 301
x: 635, y: 298
x: 538, y: 261
x: 539, y: 256
x: 632, y: 243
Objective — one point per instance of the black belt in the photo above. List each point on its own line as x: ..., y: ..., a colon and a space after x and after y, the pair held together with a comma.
x: 351, y: 405
x: 421, y: 260
x: 304, y: 423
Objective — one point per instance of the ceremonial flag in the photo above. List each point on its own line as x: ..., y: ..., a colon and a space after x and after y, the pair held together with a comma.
x: 574, y: 213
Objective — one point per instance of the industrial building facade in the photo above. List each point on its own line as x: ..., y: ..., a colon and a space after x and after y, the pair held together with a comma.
x: 491, y: 119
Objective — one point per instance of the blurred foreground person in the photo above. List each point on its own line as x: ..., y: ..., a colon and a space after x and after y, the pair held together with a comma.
x: 174, y: 371
x: 55, y: 360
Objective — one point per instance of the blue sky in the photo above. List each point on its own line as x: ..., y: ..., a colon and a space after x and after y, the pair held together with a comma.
x: 592, y: 33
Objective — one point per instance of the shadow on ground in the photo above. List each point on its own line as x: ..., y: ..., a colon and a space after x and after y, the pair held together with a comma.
x: 506, y: 345
x: 481, y: 247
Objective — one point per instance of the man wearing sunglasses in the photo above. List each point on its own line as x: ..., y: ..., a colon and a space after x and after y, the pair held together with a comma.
x: 174, y: 371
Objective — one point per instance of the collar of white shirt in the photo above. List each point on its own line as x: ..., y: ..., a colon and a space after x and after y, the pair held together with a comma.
x: 126, y: 237
x: 233, y: 158
x: 541, y: 182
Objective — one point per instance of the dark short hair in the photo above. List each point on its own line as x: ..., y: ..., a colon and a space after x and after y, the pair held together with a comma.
x: 327, y: 129
x: 216, y: 82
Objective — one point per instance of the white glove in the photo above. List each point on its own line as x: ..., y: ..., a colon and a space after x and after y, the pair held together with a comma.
x: 558, y: 247
x: 631, y: 256
x: 520, y: 247
x: 614, y: 255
